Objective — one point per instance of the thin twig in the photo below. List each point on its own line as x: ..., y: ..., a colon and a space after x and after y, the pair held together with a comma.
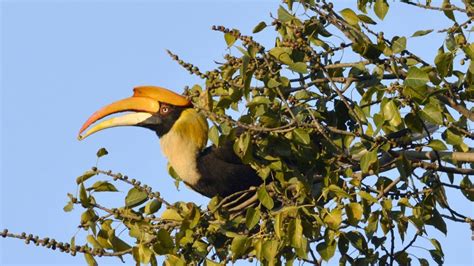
x: 136, y: 184
x: 392, y: 245
x: 451, y: 7
x: 63, y: 247
x: 410, y: 244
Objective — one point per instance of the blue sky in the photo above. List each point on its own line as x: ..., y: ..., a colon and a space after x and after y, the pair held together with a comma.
x: 62, y: 60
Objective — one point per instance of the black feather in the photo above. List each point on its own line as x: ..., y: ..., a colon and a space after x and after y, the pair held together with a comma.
x: 223, y: 173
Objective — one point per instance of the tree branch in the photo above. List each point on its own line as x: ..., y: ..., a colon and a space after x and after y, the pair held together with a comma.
x: 63, y: 247
x: 431, y: 155
x: 451, y: 7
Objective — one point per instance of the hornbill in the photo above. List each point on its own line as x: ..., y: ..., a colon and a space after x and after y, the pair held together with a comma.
x: 183, y: 134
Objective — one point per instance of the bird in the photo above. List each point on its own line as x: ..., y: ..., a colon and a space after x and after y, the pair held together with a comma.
x: 183, y: 134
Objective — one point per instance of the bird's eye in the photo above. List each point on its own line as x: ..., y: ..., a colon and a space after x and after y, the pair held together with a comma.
x: 165, y: 109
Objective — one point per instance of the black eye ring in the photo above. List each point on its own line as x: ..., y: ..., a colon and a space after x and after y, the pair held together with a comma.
x: 164, y: 109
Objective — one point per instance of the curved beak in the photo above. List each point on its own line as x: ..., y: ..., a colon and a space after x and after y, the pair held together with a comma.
x: 143, y: 107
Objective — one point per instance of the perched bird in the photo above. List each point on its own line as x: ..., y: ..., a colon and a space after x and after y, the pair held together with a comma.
x: 183, y: 134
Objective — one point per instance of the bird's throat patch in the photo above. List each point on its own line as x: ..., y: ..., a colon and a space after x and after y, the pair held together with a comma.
x: 183, y: 142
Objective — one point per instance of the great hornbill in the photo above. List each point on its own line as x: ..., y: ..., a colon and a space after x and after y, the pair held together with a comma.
x: 183, y: 137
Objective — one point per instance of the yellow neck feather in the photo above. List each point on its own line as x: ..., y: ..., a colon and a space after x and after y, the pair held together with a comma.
x: 192, y: 126
x: 183, y: 142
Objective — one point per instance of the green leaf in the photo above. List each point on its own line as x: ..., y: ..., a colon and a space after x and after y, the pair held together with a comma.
x: 117, y: 243
x: 467, y: 188
x: 214, y: 135
x: 88, y: 217
x: 433, y: 113
x: 72, y: 243
x: 387, y: 204
x: 135, y: 197
x: 416, y: 78
x: 103, y: 238
x: 145, y: 253
x: 366, y: 19
x: 83, y: 197
x: 372, y: 224
x: 343, y: 245
x: 299, y: 67
x: 450, y: 42
x: 350, y: 16
x: 413, y: 123
x: 152, y: 206
x: 258, y: 100
x: 211, y: 263
x: 270, y: 251
x: 101, y: 186
x: 437, y: 245
x: 171, y: 214
x: 164, y: 244
x: 437, y: 145
x: 69, y: 207
x: 399, y: 45
x: 260, y: 26
x: 295, y: 231
x: 448, y: 13
x: 238, y: 246
x: 91, y: 239
x: 265, y: 198
x: 102, y: 152
x: 242, y: 145
x: 360, y: 113
x: 338, y: 191
x: 357, y: 240
x: 391, y: 114
x: 437, y: 254
x: 90, y: 259
x: 284, y: 15
x: 420, y: 33
x: 301, y: 135
x: 242, y: 50
x: 381, y: 8
x: 469, y: 51
x: 252, y: 217
x: 173, y: 260
x: 229, y: 39
x: 282, y: 55
x: 272, y: 83
x: 354, y: 212
x: 88, y: 174
x: 173, y: 174
x: 369, y: 161
x: 444, y: 63
x: 423, y: 262
x: 333, y: 219
x: 245, y: 64
x: 438, y: 222
x: 453, y: 138
x: 326, y: 249
x: 366, y: 196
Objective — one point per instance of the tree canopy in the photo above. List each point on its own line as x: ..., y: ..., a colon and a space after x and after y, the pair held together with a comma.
x: 356, y: 156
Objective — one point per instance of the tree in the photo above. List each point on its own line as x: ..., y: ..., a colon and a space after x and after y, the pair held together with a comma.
x: 333, y: 140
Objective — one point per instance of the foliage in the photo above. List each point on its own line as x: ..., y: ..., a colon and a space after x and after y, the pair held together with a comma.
x: 356, y: 155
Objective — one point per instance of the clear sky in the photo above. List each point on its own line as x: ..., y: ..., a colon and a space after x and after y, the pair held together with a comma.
x: 62, y: 60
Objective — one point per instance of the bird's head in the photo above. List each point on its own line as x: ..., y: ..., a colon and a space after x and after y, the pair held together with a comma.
x: 155, y: 108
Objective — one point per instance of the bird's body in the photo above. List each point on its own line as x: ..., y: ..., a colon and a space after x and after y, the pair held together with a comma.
x: 210, y: 171
x: 183, y: 134
x: 222, y: 175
